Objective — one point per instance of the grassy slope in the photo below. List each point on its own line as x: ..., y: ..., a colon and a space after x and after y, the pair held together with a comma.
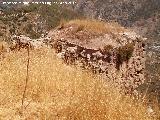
x: 56, y: 91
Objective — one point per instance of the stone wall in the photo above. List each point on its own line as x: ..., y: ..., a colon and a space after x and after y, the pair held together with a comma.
x: 121, y: 61
x: 124, y: 65
x: 22, y: 41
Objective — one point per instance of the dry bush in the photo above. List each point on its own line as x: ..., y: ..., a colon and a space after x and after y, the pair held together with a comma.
x: 98, y: 26
x: 59, y: 92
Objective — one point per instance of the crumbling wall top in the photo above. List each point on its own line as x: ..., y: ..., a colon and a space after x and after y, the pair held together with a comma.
x: 91, y: 39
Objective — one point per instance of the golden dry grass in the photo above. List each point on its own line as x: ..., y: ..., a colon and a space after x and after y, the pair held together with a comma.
x: 58, y: 92
x: 97, y: 26
x: 3, y: 46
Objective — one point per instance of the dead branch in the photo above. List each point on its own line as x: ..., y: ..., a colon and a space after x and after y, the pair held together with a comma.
x: 27, y: 77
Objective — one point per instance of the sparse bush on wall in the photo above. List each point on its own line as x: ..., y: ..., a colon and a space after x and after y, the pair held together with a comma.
x: 124, y: 53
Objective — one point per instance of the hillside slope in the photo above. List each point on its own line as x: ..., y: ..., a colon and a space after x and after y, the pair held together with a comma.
x: 60, y: 92
x: 31, y: 20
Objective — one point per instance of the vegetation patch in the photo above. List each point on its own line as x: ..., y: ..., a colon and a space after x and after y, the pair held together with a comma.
x: 124, y: 53
x: 20, y: 17
x: 97, y: 26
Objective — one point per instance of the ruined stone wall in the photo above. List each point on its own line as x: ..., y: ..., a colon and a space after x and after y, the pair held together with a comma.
x: 124, y: 65
x: 22, y: 41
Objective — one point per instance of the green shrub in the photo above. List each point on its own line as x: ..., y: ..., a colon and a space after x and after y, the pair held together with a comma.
x: 126, y: 51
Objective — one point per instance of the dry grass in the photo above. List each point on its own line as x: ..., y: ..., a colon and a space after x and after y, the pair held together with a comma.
x: 3, y: 46
x: 58, y: 92
x: 98, y: 26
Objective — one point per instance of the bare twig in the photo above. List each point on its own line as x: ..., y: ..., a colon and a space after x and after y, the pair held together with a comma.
x: 27, y: 78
